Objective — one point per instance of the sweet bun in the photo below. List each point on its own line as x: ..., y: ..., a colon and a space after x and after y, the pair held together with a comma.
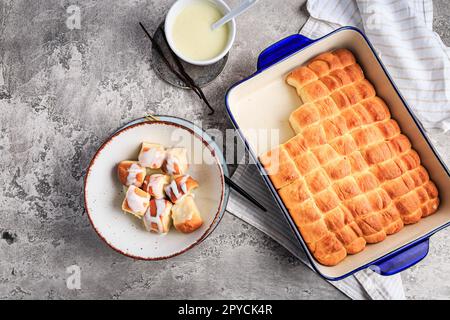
x: 186, y: 216
x: 179, y: 187
x: 151, y: 155
x: 157, y: 218
x: 176, y: 162
x: 136, y: 201
x: 349, y: 176
x: 131, y: 173
x: 154, y: 185
x: 160, y: 190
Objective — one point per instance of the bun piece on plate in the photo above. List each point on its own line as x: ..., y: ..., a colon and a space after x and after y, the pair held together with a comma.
x: 176, y: 162
x: 136, y: 201
x: 131, y: 173
x: 152, y: 155
x: 179, y: 187
x: 158, y: 216
x: 186, y: 216
x: 154, y: 185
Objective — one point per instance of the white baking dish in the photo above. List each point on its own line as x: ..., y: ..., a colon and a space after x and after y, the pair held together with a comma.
x: 265, y: 101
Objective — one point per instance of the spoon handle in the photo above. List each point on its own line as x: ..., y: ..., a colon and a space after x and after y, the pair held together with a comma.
x: 246, y: 4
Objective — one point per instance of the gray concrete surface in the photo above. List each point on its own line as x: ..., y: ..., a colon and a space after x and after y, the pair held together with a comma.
x: 62, y: 92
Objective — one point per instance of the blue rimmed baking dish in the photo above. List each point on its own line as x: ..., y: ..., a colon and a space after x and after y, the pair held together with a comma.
x: 260, y: 105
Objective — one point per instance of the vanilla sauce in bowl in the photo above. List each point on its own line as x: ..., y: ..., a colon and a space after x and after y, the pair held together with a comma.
x: 190, y: 33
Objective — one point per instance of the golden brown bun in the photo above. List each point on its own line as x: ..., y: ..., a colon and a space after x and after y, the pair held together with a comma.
x: 152, y: 155
x: 348, y: 177
x: 176, y: 162
x: 131, y: 173
x: 154, y: 185
x: 136, y: 201
x: 179, y: 187
x: 280, y: 167
x: 186, y: 216
x: 158, y: 216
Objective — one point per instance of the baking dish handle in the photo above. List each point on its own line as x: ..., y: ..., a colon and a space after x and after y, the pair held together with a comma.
x: 282, y: 49
x: 402, y: 260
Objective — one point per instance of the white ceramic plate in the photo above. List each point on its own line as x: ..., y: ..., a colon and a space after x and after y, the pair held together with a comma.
x: 104, y: 194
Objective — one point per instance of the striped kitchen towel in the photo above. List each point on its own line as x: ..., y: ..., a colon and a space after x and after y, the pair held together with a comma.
x: 402, y: 34
x: 364, y: 284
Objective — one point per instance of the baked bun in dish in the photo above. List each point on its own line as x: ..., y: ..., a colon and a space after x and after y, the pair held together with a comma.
x: 176, y: 162
x: 179, y: 187
x: 131, y: 173
x: 152, y: 155
x: 154, y: 185
x: 349, y: 177
x: 186, y: 216
x: 158, y: 216
x: 136, y: 201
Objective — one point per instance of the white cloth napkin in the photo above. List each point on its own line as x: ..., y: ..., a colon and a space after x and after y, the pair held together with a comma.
x: 365, y: 284
x: 402, y: 34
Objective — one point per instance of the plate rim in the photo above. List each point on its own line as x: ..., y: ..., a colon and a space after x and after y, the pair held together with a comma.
x: 212, y: 147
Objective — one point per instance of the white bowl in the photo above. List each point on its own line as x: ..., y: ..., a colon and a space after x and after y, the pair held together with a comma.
x: 173, y: 13
x: 104, y: 194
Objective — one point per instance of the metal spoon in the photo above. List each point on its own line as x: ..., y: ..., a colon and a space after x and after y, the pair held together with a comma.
x: 244, y: 6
